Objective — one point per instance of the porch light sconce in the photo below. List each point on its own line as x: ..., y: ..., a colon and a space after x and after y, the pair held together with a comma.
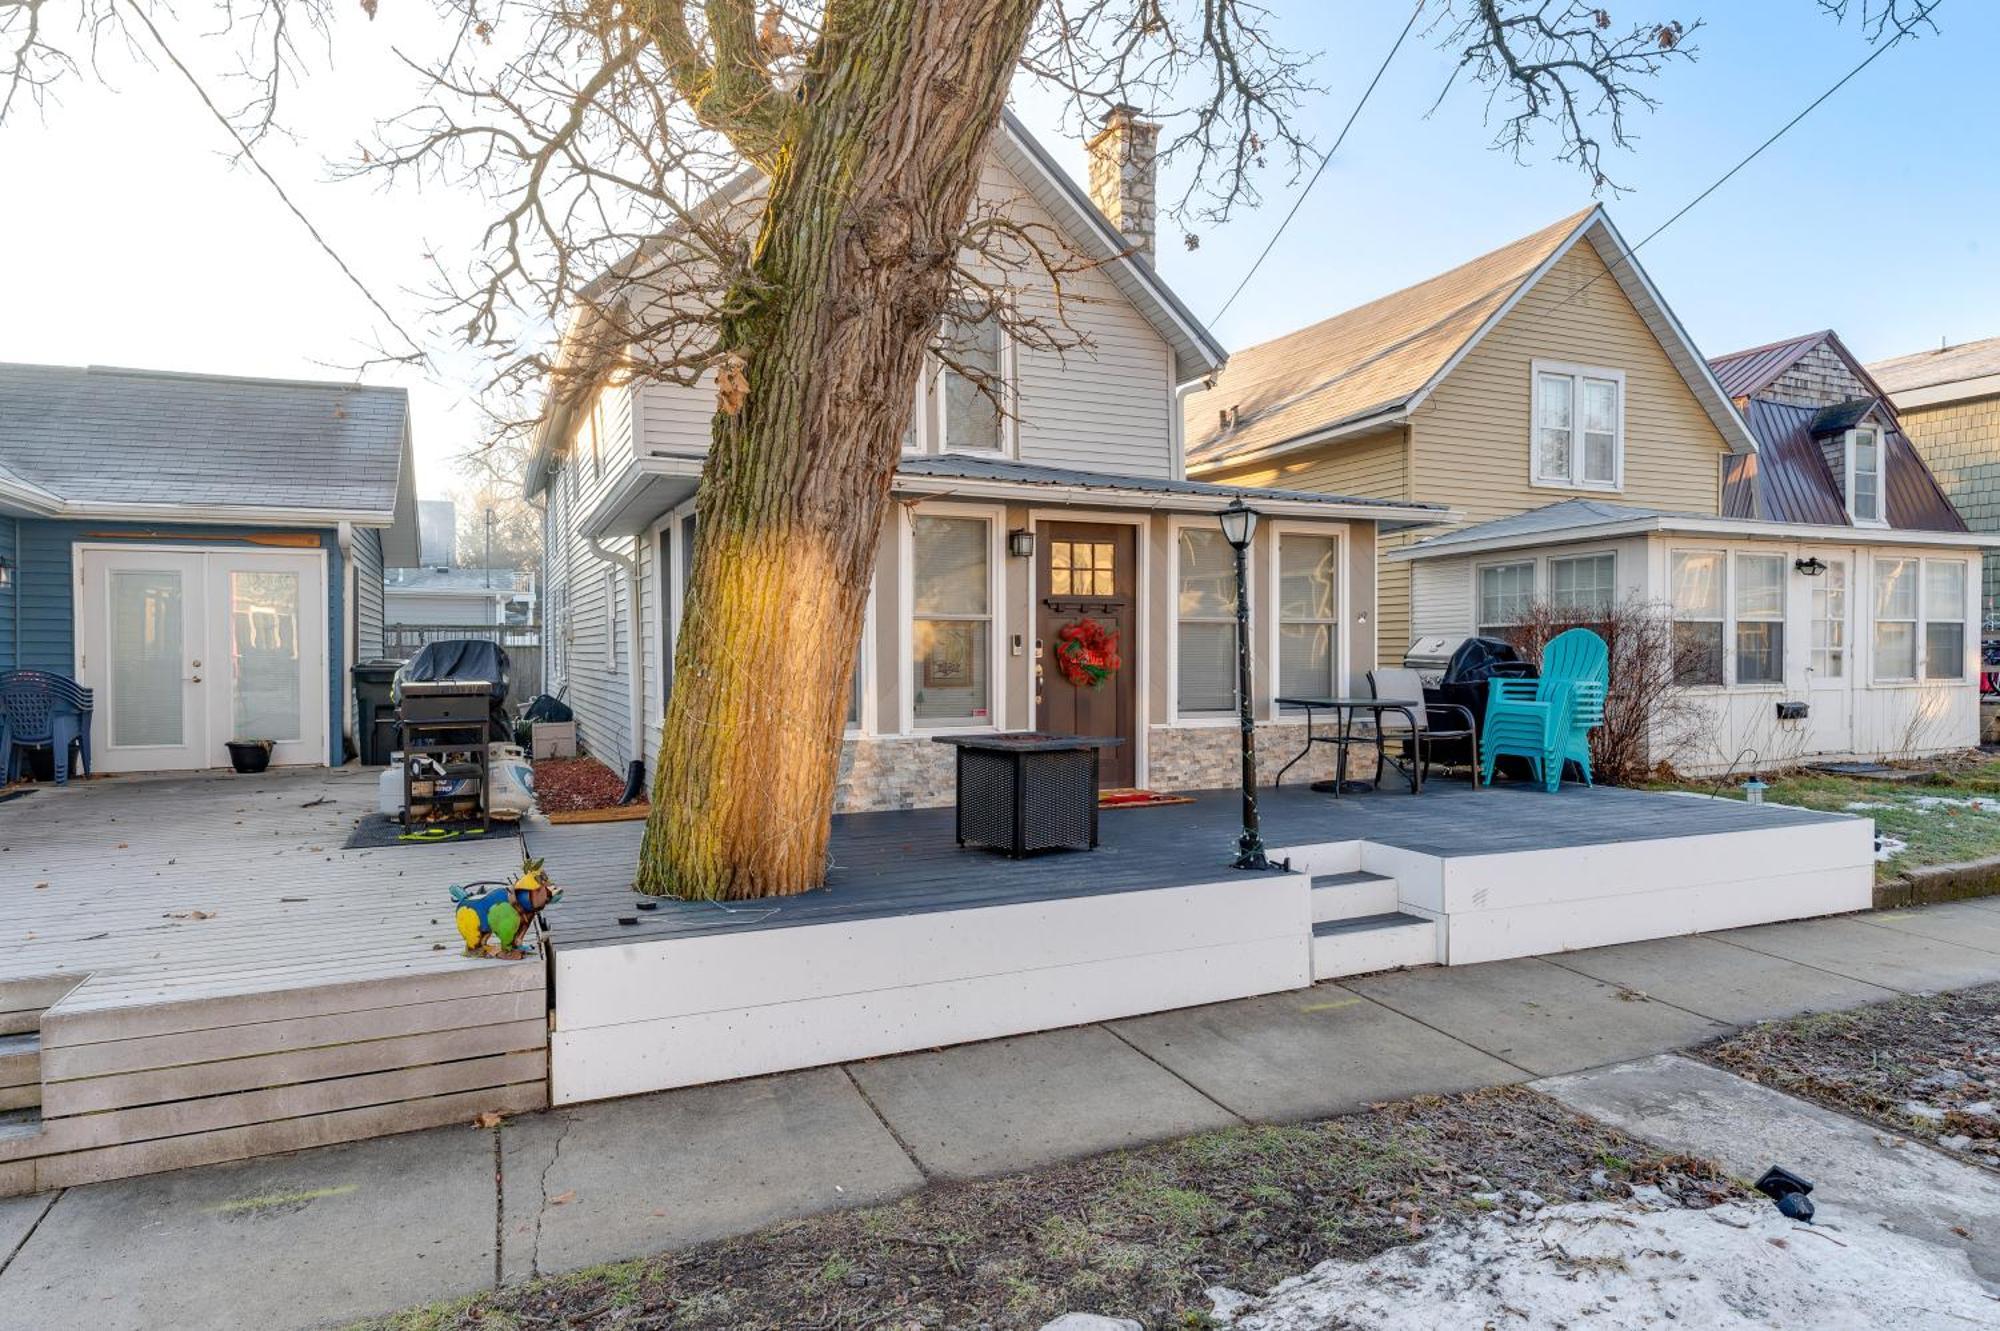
x: 1812, y: 566
x: 6, y: 573
x: 1239, y: 524
x: 1021, y: 543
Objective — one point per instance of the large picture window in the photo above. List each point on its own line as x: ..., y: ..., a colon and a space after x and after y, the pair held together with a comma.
x: 951, y: 620
x: 1205, y: 613
x: 1308, y: 615
x: 1579, y: 427
x: 1505, y: 593
x: 1698, y: 618
x: 1760, y: 619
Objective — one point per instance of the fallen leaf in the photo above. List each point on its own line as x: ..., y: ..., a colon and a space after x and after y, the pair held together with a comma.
x: 489, y: 1119
x: 563, y: 1198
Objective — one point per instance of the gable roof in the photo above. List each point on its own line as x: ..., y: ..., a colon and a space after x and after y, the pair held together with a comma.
x: 1970, y: 369
x: 1196, y: 351
x: 1373, y: 364
x: 1789, y: 479
x: 113, y: 442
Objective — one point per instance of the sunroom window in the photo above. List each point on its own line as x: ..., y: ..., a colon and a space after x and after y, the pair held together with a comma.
x: 1919, y: 619
x: 1584, y: 586
x: 1698, y: 618
x: 1760, y: 619
x: 1505, y: 593
x: 1579, y: 427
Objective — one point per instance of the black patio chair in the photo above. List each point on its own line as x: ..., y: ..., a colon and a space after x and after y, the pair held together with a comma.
x: 1437, y: 723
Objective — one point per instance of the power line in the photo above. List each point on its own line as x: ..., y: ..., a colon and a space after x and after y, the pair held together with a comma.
x: 1318, y: 170
x: 1920, y: 17
x: 243, y: 145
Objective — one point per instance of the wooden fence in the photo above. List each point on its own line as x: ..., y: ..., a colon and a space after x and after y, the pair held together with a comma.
x: 522, y: 641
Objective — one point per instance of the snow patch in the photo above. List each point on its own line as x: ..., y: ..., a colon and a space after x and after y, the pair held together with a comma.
x: 1625, y: 1265
x: 1889, y: 847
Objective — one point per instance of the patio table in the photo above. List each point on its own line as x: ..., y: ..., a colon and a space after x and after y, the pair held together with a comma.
x: 1343, y: 738
x: 1021, y: 793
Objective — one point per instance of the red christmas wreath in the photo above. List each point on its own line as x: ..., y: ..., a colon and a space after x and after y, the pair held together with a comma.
x: 1087, y: 653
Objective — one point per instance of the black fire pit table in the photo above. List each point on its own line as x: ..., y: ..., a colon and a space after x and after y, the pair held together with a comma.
x: 1023, y: 793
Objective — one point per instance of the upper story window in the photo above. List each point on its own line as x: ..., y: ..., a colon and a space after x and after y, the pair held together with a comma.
x: 971, y: 418
x: 1864, y: 477
x: 1579, y: 416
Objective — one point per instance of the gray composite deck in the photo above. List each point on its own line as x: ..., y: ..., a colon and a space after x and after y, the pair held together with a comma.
x: 908, y: 861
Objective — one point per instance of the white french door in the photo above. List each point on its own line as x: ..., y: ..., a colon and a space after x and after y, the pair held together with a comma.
x: 189, y: 649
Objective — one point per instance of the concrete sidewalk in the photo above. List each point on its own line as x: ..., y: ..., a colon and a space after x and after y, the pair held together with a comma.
x: 324, y: 1237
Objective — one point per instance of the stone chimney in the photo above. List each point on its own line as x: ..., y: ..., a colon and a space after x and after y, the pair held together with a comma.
x: 1121, y: 175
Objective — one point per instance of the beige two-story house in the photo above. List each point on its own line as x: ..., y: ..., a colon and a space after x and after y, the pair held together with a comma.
x: 1070, y: 506
x: 1825, y: 594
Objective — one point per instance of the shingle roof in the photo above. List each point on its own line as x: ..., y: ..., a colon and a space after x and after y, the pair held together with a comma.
x: 1569, y: 514
x: 1742, y: 373
x: 122, y: 437
x: 1364, y: 361
x: 1923, y: 369
x: 1787, y: 479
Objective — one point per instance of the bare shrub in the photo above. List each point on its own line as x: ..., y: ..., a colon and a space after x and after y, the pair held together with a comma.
x: 1648, y: 720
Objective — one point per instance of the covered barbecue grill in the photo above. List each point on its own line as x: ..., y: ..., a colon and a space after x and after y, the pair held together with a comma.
x: 457, y: 679
x: 1463, y: 681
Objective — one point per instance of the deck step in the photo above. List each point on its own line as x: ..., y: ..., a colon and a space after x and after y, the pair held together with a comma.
x: 1365, y: 943
x: 20, y: 1070
x: 1347, y: 896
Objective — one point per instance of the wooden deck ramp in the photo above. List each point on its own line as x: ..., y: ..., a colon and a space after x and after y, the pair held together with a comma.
x: 206, y: 976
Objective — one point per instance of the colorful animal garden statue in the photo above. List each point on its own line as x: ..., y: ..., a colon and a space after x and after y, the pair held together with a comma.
x: 494, y: 921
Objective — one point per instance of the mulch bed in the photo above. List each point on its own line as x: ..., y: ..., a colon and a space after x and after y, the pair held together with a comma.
x: 1926, y: 1067
x: 1136, y: 1234
x: 576, y: 785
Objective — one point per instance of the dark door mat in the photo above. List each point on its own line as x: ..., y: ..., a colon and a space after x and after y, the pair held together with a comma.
x: 379, y: 829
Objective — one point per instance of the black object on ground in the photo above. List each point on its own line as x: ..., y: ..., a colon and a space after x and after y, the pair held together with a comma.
x: 635, y: 782
x: 1789, y: 1191
x: 249, y: 756
x: 380, y: 829
x: 546, y: 708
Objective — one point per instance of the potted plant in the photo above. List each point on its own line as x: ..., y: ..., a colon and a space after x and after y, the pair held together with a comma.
x: 250, y: 755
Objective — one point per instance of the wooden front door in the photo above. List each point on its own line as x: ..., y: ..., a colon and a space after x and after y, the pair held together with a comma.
x: 1088, y: 570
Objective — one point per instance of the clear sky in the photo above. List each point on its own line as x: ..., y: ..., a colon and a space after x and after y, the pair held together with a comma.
x: 127, y: 238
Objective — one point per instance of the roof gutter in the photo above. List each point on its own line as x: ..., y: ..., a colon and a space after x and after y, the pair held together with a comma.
x: 1089, y: 496
x: 1951, y: 390
x: 1739, y: 529
x: 220, y: 514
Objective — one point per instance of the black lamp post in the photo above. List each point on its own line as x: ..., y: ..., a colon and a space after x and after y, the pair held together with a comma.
x: 1239, y: 525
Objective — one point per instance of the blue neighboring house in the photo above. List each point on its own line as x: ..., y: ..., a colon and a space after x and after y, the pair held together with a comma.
x: 204, y: 551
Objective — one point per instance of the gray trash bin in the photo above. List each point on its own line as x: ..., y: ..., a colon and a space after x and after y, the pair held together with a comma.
x: 375, y: 710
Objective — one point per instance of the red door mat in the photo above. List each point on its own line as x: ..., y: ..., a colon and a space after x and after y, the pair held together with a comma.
x: 1128, y: 797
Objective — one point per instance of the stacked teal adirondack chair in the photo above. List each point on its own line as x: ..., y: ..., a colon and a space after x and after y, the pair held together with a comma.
x: 1548, y: 720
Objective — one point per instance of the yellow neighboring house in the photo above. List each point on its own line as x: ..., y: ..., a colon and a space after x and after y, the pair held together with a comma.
x: 1435, y: 391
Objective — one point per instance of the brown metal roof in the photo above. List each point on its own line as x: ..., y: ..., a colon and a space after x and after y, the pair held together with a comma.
x: 1742, y: 373
x: 1787, y: 479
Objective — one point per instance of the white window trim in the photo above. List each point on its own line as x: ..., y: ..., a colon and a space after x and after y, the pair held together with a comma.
x: 1274, y: 627
x: 1010, y: 400
x: 906, y: 652
x: 1968, y: 621
x: 1545, y: 587
x: 1577, y: 374
x: 1479, y: 567
x: 1783, y: 621
x: 1726, y: 617
x: 1881, y: 518
x: 864, y: 724
x: 1192, y: 720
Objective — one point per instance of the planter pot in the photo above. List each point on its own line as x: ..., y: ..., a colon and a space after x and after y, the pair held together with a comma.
x: 250, y: 755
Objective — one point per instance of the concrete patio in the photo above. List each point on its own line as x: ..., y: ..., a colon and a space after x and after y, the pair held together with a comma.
x: 452, y: 1211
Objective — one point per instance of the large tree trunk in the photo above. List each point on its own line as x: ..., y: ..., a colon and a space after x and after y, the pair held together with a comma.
x: 851, y: 272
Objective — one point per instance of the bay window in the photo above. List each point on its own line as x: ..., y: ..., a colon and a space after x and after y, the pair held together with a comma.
x: 1697, y: 605
x: 951, y: 621
x: 1579, y: 427
x: 1760, y: 619
x: 1308, y: 615
x: 1505, y: 593
x: 1205, y: 615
